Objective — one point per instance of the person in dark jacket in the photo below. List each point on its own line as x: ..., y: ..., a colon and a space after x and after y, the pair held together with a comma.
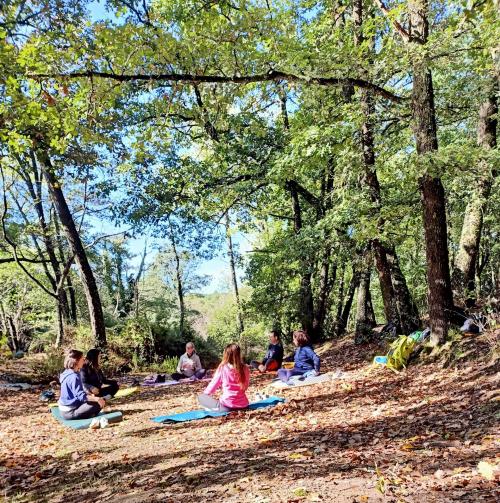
x: 274, y: 356
x: 306, y: 361
x: 74, y: 403
x: 93, y: 379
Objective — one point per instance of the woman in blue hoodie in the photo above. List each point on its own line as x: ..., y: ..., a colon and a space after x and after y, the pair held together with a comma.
x: 74, y: 403
x: 306, y: 361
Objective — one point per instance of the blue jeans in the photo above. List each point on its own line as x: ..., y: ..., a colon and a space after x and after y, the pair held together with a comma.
x: 285, y: 374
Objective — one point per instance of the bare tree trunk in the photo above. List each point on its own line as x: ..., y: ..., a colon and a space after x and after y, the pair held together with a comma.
x: 324, y: 291
x: 69, y: 282
x: 466, y: 260
x: 397, y: 301
x: 306, y: 307
x: 407, y: 310
x: 68, y: 224
x: 135, y: 286
x: 340, y: 295
x: 341, y: 323
x: 439, y: 295
x: 180, y: 289
x: 365, y: 317
x: 234, y: 279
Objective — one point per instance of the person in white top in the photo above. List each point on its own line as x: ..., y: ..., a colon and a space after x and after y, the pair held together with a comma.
x: 189, y: 365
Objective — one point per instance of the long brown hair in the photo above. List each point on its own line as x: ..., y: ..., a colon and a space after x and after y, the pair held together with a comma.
x: 232, y: 355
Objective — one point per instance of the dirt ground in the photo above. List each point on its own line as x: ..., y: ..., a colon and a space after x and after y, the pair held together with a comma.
x: 370, y: 436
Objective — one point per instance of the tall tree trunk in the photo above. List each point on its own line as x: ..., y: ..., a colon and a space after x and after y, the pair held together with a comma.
x: 69, y: 282
x: 365, y: 317
x: 397, y: 301
x: 234, y: 279
x: 60, y: 326
x: 179, y: 280
x: 120, y: 292
x: 340, y: 302
x: 409, y: 318
x: 306, y: 303
x: 76, y: 245
x: 464, y: 272
x: 306, y: 307
x: 341, y: 323
x: 325, y: 281
x: 439, y: 294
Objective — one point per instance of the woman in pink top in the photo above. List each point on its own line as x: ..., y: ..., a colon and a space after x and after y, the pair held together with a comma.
x: 234, y: 377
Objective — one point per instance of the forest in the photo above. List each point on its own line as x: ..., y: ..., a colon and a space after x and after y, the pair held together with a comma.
x: 224, y: 172
x: 353, y: 143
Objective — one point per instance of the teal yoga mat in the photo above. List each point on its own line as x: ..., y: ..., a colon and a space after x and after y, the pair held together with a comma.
x: 83, y: 424
x: 193, y: 415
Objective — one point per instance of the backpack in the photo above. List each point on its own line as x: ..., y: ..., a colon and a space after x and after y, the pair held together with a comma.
x: 400, y: 351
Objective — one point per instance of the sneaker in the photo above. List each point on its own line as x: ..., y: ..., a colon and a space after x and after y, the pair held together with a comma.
x: 104, y: 422
x: 95, y: 423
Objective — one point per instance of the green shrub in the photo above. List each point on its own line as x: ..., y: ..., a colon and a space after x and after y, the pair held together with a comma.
x: 48, y: 367
x: 80, y: 337
x: 167, y: 366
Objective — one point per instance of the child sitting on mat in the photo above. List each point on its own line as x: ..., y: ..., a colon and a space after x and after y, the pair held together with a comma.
x: 274, y: 355
x: 306, y: 361
x: 74, y: 403
x: 93, y: 379
x: 234, y: 377
x: 189, y: 365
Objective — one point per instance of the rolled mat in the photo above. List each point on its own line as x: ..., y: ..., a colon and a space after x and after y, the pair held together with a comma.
x: 193, y: 415
x: 83, y: 424
x: 122, y: 392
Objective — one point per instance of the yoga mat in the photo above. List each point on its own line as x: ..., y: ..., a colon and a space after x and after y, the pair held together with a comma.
x: 83, y: 424
x: 193, y: 415
x: 126, y: 392
x: 308, y: 381
x: 120, y: 394
x: 173, y: 383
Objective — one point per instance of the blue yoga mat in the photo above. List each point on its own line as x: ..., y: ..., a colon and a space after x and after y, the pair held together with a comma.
x: 83, y: 424
x: 193, y: 415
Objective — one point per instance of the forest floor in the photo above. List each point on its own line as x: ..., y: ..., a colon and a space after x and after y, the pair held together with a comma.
x: 428, y: 434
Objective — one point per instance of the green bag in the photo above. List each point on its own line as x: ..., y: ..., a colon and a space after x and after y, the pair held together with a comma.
x: 400, y: 351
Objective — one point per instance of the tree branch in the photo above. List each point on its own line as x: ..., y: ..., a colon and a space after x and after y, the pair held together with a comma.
x: 397, y: 25
x: 14, y: 245
x: 23, y: 259
x: 187, y: 78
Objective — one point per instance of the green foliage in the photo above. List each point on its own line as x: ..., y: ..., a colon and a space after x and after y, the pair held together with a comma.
x: 49, y: 365
x: 171, y: 159
x: 166, y: 366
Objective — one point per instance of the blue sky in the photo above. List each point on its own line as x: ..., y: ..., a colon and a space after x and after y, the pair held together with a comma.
x: 218, y: 267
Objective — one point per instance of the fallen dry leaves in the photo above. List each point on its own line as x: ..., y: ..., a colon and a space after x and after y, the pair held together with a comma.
x: 425, y: 435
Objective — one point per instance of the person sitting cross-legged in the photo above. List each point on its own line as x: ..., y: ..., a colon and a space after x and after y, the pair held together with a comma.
x: 274, y: 355
x: 306, y: 361
x: 74, y: 402
x: 233, y: 376
x: 93, y: 379
x: 189, y: 365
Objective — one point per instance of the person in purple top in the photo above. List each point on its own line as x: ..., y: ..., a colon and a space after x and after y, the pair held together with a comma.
x: 306, y: 361
x: 74, y: 402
